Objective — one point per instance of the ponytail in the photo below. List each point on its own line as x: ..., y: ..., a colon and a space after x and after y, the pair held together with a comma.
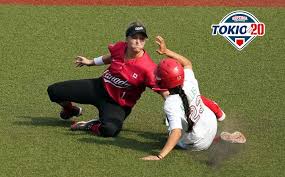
x: 180, y: 91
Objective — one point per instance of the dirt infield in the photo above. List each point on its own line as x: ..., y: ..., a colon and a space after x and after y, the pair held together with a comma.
x: 234, y: 3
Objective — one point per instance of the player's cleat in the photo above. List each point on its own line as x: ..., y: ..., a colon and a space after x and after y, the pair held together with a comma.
x: 84, y: 125
x: 221, y: 117
x: 78, y: 126
x: 95, y: 129
x: 69, y: 113
x: 236, y: 137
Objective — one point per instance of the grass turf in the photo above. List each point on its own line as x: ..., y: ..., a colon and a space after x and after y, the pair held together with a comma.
x: 37, y: 48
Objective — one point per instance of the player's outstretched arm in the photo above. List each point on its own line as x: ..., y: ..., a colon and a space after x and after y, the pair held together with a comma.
x: 163, y: 50
x: 171, y: 142
x: 102, y: 60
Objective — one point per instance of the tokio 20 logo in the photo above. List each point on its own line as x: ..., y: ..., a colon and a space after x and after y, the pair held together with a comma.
x: 239, y: 28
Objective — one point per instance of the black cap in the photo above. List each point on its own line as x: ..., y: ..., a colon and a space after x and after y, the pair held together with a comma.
x: 135, y: 30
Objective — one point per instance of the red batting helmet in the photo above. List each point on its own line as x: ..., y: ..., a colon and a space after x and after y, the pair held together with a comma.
x: 169, y: 73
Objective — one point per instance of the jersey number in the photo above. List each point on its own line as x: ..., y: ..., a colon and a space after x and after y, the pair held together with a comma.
x: 196, y: 110
x: 123, y: 95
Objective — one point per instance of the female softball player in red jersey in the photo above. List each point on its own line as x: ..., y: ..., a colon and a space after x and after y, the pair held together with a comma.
x: 191, y: 124
x: 130, y: 71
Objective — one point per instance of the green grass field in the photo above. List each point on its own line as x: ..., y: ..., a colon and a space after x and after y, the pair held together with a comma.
x: 37, y: 48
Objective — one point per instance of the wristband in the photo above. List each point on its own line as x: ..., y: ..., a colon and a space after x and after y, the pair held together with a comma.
x: 98, y: 61
x: 159, y: 156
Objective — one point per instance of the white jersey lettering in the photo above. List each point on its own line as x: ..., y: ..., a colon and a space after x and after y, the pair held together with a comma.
x: 115, y: 81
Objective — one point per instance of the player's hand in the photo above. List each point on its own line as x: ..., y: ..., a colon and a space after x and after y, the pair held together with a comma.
x: 151, y: 157
x: 162, y: 46
x: 81, y: 61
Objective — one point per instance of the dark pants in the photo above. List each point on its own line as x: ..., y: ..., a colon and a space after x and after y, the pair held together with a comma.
x: 92, y: 91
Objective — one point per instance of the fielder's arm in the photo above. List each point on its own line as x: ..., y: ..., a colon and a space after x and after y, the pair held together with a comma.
x: 102, y: 60
x: 186, y: 63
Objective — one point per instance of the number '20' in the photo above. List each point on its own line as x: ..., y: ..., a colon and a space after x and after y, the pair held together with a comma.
x: 258, y: 29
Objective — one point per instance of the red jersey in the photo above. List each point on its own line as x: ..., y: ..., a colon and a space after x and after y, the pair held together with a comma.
x: 126, y: 80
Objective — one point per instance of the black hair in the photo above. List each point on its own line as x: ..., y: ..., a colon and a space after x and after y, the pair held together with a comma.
x: 187, y: 110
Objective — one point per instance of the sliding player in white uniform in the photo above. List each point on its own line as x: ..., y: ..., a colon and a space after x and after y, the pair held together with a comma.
x: 191, y: 124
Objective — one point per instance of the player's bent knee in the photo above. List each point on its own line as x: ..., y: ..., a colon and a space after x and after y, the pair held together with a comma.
x: 52, y: 93
x: 110, y: 129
